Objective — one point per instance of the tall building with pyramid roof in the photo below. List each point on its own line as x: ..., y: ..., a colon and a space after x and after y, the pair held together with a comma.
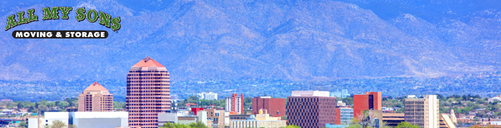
x: 95, y: 98
x: 148, y: 93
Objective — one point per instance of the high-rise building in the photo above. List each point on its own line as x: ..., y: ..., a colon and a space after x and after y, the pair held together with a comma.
x: 95, y: 98
x: 148, y: 93
x: 274, y: 106
x: 367, y: 101
x: 422, y: 111
x: 235, y: 103
x: 311, y: 111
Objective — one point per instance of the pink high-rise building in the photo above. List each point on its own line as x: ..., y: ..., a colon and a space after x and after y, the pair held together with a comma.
x: 95, y: 98
x: 148, y: 93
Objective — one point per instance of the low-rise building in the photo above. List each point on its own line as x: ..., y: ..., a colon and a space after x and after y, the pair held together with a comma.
x: 251, y: 122
x: 340, y: 94
x: 311, y: 93
x: 83, y: 119
x: 207, y: 95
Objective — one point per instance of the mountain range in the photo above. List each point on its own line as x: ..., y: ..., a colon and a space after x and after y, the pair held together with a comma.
x: 279, y: 39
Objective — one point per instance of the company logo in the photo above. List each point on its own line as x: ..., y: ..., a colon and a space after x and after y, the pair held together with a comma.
x: 82, y: 14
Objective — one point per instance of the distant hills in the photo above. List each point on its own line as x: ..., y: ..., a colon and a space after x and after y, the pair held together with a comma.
x: 282, y: 39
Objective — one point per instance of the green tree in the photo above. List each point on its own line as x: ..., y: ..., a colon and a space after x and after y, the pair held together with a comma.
x: 292, y: 126
x: 23, y: 124
x: 58, y: 124
x: 407, y: 125
x: 348, y: 100
x: 192, y: 125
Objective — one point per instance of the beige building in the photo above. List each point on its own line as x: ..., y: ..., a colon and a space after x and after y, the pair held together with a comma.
x: 148, y: 93
x: 423, y: 111
x: 393, y: 119
x: 217, y: 117
x: 261, y: 120
x: 95, y: 98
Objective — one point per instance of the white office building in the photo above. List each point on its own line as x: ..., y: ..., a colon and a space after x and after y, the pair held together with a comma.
x: 311, y: 93
x: 83, y: 119
x: 207, y: 95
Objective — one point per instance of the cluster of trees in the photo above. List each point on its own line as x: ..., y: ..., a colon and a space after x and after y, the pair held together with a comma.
x: 206, y: 103
x: 60, y: 124
x: 177, y: 125
x: 467, y: 103
x: 41, y: 106
x: 201, y: 102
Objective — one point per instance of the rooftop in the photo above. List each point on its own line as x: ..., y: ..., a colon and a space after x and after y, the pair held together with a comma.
x: 148, y: 62
x: 95, y: 87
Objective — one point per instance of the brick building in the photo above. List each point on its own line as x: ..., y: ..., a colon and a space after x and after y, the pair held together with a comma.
x: 311, y: 111
x: 148, y: 93
x: 367, y: 101
x: 95, y: 98
x: 274, y: 106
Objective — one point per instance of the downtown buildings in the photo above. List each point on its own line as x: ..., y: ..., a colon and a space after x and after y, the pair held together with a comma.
x: 422, y: 111
x: 95, y: 98
x: 148, y: 93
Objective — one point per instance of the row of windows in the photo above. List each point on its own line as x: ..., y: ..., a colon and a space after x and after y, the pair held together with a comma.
x: 164, y: 97
x: 147, y: 81
x: 148, y: 71
x: 166, y: 79
x: 149, y: 87
x: 147, y: 93
x: 148, y: 74
x: 143, y: 85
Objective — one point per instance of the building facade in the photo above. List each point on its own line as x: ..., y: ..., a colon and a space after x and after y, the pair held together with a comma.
x: 217, y: 117
x: 344, y: 115
x: 95, y: 98
x: 259, y: 121
x: 148, y: 93
x: 274, y: 106
x: 311, y: 112
x: 422, y: 111
x: 235, y: 103
x: 367, y: 101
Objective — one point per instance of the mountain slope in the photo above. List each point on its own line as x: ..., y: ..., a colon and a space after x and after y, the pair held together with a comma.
x: 295, y: 40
